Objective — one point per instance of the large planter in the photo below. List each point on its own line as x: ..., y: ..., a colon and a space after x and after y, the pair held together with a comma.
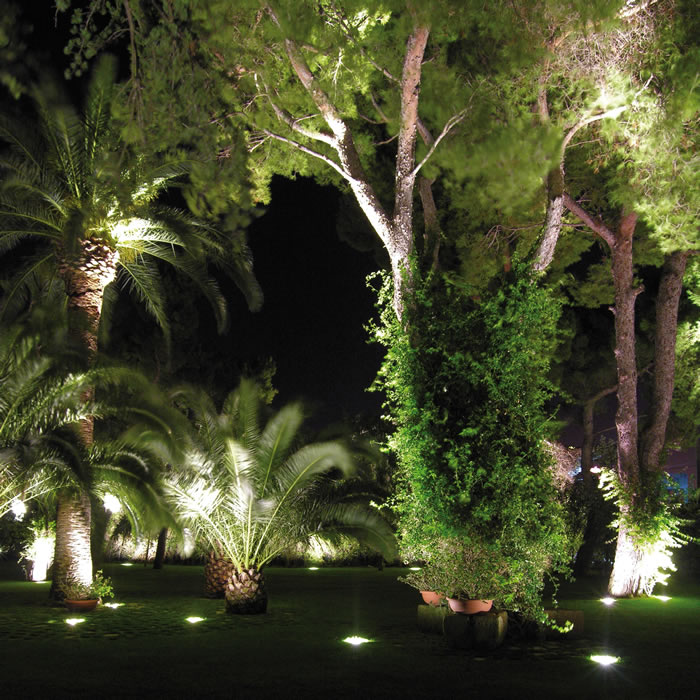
x: 80, y: 605
x: 432, y: 598
x: 469, y: 606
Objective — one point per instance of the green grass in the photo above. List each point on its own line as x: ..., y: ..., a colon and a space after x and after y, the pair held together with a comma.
x: 147, y: 649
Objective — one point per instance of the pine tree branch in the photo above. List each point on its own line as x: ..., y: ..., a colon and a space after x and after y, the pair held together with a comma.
x: 342, y: 23
x: 596, y: 225
x: 294, y: 124
x: 451, y: 123
x: 405, y: 152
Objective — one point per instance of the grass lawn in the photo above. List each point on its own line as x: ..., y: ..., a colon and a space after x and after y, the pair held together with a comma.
x: 147, y: 649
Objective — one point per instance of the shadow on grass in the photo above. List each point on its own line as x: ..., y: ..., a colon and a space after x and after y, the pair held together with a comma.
x: 146, y: 648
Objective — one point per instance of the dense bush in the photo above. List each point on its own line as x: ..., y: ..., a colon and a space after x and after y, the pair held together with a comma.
x: 466, y: 384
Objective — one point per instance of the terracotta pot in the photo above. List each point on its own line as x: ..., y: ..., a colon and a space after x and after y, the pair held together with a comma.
x: 80, y: 605
x: 432, y: 598
x: 469, y: 607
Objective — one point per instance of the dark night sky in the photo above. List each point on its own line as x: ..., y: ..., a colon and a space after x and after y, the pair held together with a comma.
x: 316, y: 304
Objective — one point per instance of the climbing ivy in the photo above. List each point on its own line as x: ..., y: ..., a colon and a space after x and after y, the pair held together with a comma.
x: 466, y: 385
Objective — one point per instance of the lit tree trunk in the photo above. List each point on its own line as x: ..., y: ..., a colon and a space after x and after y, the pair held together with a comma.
x: 72, y: 557
x: 554, y: 186
x: 85, y: 275
x: 396, y: 231
x: 218, y: 569
x: 667, y: 300
x: 245, y: 592
x: 628, y: 577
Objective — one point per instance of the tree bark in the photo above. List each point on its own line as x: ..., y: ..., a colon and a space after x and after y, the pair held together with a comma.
x: 667, y: 301
x: 85, y: 274
x: 433, y: 234
x: 554, y: 186
x: 72, y: 557
x: 396, y: 232
x: 160, y: 549
x: 553, y: 219
x: 627, y: 578
x: 626, y: 418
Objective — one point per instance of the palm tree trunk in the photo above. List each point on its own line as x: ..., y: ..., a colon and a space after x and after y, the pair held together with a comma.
x: 160, y: 549
x: 72, y: 557
x: 245, y: 593
x: 85, y: 276
x: 217, y: 571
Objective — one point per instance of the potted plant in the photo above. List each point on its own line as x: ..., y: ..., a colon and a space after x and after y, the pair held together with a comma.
x: 469, y: 573
x: 428, y: 581
x: 82, y: 598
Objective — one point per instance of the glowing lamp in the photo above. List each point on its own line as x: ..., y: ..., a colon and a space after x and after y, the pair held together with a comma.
x: 356, y: 641
x: 43, y: 557
x: 194, y: 620
x: 111, y: 503
x: 605, y: 660
x: 415, y: 568
x: 127, y: 563
x: 18, y: 508
x: 73, y: 621
x: 663, y: 598
x: 313, y: 568
x: 607, y: 601
x: 113, y: 605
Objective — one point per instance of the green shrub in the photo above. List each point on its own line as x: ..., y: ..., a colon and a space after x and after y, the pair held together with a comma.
x: 466, y: 384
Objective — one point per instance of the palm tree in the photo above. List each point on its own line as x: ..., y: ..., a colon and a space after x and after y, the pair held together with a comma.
x: 43, y: 407
x: 90, y: 209
x: 90, y: 206
x: 251, y: 492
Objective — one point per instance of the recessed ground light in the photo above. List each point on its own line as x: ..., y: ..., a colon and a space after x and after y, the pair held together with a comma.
x: 113, y: 605
x: 415, y: 568
x: 605, y: 660
x: 127, y: 563
x: 664, y: 598
x: 607, y: 601
x: 356, y: 641
x: 193, y: 620
x: 313, y: 568
x: 73, y: 621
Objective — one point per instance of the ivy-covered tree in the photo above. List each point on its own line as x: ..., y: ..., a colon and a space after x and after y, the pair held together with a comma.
x: 629, y: 95
x: 466, y: 397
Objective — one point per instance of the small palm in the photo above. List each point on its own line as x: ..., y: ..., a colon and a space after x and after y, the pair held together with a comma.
x: 250, y: 492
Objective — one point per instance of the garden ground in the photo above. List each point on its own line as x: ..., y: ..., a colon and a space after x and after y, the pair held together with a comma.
x: 146, y: 648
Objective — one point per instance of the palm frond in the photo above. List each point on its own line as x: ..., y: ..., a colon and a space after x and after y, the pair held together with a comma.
x: 143, y: 281
x: 241, y: 410
x: 276, y: 440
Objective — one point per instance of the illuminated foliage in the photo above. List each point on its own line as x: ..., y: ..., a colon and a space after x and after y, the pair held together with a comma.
x: 89, y: 203
x: 466, y: 387
x: 251, y: 490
